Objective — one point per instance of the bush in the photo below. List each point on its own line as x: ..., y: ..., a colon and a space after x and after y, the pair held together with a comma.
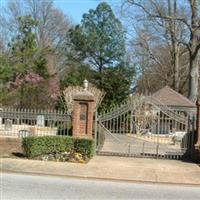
x: 36, y: 146
x: 86, y: 147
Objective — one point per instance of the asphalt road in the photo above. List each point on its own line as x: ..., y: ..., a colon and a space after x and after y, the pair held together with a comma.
x: 17, y: 186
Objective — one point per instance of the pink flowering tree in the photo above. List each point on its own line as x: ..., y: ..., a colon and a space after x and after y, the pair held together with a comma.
x: 36, y: 92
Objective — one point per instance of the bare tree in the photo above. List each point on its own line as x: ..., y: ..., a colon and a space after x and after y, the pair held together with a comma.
x: 143, y: 114
x: 70, y: 91
x: 182, y: 25
x: 51, y: 31
x: 193, y: 47
x: 153, y: 55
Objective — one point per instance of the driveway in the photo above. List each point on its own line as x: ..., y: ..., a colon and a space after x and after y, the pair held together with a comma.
x: 121, y: 143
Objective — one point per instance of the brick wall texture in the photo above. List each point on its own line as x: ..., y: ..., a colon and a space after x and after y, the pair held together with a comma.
x: 82, y: 118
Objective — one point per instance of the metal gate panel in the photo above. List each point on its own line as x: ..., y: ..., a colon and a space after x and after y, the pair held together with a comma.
x: 140, y: 128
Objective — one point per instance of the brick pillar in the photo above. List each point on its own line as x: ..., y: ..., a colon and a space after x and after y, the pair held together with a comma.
x: 198, y: 122
x: 197, y: 145
x: 82, y: 119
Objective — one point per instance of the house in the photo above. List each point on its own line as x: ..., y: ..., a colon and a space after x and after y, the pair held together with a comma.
x: 173, y: 111
x: 169, y: 97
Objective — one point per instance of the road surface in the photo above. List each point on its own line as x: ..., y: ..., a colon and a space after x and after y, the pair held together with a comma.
x: 18, y: 186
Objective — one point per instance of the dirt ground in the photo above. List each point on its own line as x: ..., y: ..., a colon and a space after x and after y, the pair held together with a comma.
x: 10, y: 147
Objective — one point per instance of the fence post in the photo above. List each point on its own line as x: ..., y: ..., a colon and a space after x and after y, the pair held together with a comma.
x: 197, y: 145
x: 191, y: 140
x: 83, y: 108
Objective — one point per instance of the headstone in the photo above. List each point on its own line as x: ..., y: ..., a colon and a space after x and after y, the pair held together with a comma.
x: 40, y: 120
x: 23, y: 133
x: 8, y: 125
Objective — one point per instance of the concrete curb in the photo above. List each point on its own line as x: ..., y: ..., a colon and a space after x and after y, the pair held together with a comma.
x: 98, y: 178
x: 123, y: 170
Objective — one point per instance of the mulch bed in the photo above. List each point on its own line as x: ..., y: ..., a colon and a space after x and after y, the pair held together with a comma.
x: 10, y: 147
x: 64, y: 157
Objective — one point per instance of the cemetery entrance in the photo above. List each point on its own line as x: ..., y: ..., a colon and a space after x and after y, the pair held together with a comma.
x: 144, y: 127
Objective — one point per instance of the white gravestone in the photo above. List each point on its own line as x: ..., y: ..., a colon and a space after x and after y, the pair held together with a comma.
x: 40, y: 120
x: 8, y: 124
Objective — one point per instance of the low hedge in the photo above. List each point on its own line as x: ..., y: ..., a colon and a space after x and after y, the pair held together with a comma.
x: 84, y: 146
x: 36, y: 146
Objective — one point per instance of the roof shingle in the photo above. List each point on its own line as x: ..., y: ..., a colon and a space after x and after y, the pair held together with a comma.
x: 170, y: 97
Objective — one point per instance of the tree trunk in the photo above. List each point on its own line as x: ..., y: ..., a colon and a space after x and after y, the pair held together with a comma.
x: 193, y: 78
x: 172, y: 9
x: 194, y: 50
x: 176, y: 68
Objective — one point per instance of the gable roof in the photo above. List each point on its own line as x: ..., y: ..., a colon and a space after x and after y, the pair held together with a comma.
x: 170, y: 97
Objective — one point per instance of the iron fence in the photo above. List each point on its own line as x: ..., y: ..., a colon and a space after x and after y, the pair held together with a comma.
x: 34, y: 122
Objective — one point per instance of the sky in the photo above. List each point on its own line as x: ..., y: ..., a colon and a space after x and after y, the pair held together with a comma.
x: 76, y: 8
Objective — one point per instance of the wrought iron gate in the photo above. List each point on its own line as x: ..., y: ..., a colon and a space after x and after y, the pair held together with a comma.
x: 143, y: 127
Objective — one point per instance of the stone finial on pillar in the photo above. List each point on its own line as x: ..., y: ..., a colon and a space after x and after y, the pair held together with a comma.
x: 85, y: 85
x: 83, y: 108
